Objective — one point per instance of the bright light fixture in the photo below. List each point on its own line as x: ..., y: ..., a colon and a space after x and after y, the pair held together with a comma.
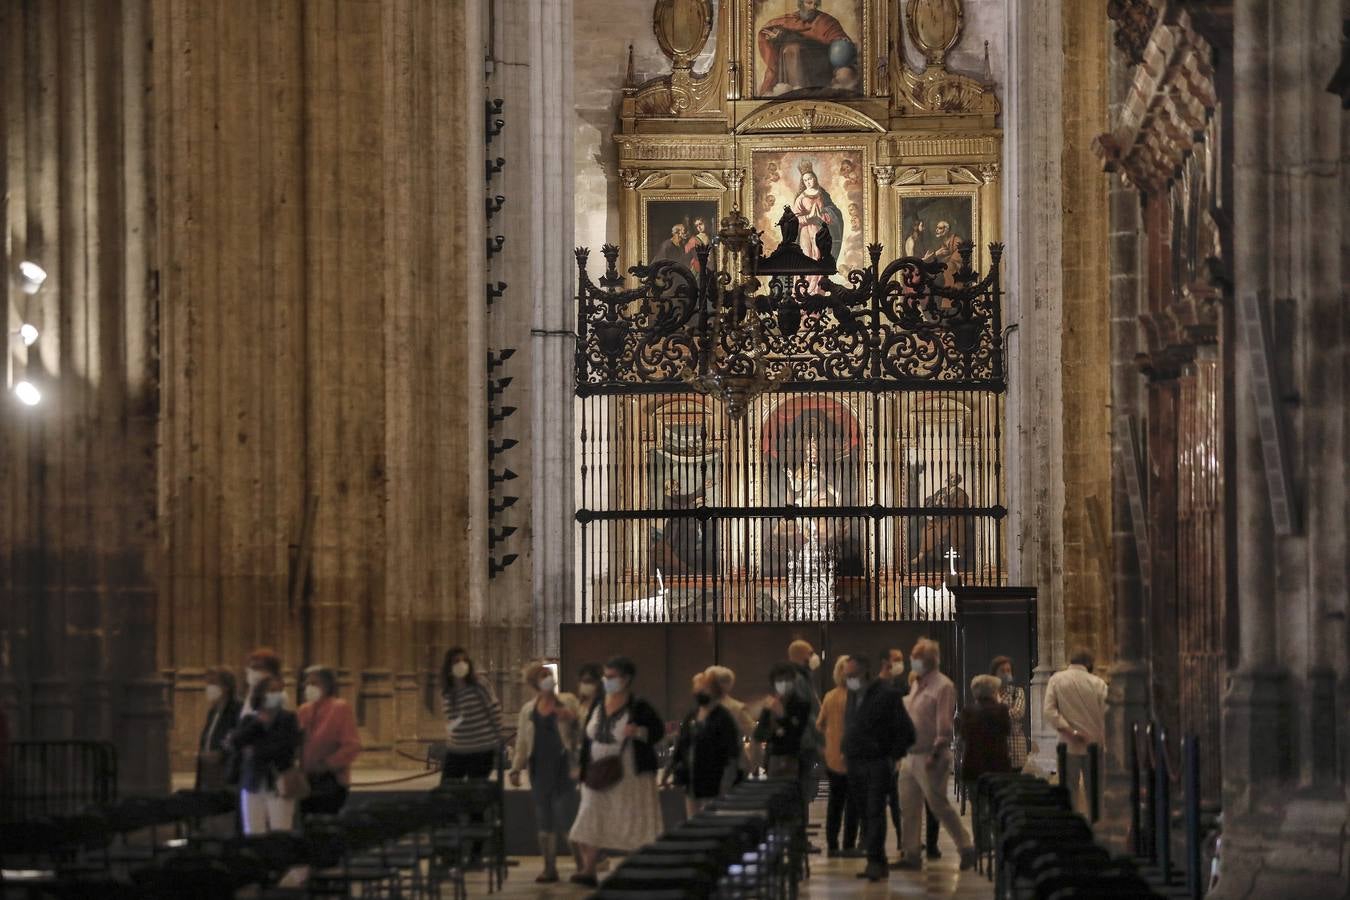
x: 28, y: 333
x: 31, y: 276
x: 27, y: 394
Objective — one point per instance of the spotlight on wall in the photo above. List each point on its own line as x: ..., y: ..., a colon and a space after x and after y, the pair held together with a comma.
x: 500, y: 415
x: 496, y: 447
x: 495, y: 507
x: 28, y: 333
x: 497, y: 535
x: 496, y: 385
x: 31, y: 276
x: 27, y: 394
x: 494, y: 566
x: 497, y: 478
x: 498, y: 359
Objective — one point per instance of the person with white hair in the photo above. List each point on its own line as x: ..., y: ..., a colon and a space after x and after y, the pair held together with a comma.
x: 931, y: 705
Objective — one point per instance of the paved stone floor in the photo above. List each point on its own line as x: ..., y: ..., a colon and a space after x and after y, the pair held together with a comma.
x: 832, y: 878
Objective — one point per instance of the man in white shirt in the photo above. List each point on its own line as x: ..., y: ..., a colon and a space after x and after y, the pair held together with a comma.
x: 1075, y: 706
x: 924, y: 771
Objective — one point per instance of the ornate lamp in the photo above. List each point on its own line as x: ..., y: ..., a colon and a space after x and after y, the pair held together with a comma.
x: 731, y: 359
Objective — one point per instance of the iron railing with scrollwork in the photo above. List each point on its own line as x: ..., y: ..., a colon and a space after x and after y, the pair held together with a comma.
x: 858, y: 488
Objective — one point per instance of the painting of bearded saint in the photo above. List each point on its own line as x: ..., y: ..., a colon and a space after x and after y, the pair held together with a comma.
x: 810, y: 198
x: 803, y: 50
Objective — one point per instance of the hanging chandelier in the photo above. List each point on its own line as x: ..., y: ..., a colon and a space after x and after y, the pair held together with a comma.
x: 732, y: 357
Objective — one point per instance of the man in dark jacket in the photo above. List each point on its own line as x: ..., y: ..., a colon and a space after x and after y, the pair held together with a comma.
x: 877, y: 732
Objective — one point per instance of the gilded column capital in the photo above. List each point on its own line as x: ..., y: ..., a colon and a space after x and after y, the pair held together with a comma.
x: 734, y: 178
x: 629, y: 177
x: 883, y: 174
x: 988, y: 172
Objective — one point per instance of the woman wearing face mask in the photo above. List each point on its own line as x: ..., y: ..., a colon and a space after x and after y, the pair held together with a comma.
x: 263, y: 664
x: 785, y: 717
x: 267, y: 741
x: 331, y: 743
x: 222, y: 714
x: 620, y: 809
x: 473, y: 719
x: 1015, y: 698
x: 589, y: 690
x: 546, y: 742
x: 830, y: 723
x: 707, y: 755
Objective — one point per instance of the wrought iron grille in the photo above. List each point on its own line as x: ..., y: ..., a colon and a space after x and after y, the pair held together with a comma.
x: 858, y: 489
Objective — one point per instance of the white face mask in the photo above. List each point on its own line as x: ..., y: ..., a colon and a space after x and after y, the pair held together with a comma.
x: 586, y: 689
x: 546, y: 684
x: 313, y: 693
x: 275, y: 699
x: 613, y: 685
x: 897, y: 669
x: 460, y: 669
x: 254, y: 677
x: 918, y: 666
x: 782, y: 687
x: 853, y: 684
x: 1005, y: 678
x: 814, y: 662
x: 213, y: 693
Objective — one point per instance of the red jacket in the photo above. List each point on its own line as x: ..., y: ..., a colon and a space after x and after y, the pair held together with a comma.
x: 331, y: 741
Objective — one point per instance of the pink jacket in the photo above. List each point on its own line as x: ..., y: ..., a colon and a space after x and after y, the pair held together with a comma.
x: 331, y: 741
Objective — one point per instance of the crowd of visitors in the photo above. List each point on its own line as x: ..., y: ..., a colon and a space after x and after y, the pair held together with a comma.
x: 882, y: 738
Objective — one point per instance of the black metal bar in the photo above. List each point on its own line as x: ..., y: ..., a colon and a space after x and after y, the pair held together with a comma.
x: 1062, y: 762
x: 786, y: 512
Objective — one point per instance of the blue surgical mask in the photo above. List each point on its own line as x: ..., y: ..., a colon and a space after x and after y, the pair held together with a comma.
x: 613, y: 685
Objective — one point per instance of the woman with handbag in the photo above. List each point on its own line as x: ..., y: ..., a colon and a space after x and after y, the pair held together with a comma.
x: 620, y: 809
x: 267, y: 742
x: 331, y: 743
x: 546, y: 744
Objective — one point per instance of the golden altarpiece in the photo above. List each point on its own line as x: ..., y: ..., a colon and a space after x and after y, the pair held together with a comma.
x: 887, y: 490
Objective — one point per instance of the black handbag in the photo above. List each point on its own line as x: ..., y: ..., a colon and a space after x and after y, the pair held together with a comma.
x: 603, y: 774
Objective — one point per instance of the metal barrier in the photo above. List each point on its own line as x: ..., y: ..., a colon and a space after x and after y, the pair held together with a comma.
x: 1153, y: 775
x: 1092, y: 778
x: 52, y: 778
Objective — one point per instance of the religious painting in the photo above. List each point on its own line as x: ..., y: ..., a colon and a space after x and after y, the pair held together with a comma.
x: 675, y: 228
x: 807, y: 48
x: 826, y: 190
x: 811, y: 457
x: 684, y: 471
x: 933, y: 227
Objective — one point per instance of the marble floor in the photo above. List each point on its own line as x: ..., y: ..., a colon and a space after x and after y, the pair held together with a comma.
x: 833, y: 878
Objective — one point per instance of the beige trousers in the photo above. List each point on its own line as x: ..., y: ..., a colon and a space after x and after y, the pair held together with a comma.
x: 922, y: 783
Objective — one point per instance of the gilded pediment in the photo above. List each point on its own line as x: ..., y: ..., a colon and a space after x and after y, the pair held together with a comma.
x: 808, y: 117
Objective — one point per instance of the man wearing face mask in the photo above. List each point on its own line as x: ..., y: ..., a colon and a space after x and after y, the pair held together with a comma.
x: 331, y: 742
x: 783, y: 724
x: 877, y: 731
x: 925, y: 770
x: 806, y: 661
x: 222, y: 714
x: 706, y: 758
x: 267, y: 741
x: 895, y: 660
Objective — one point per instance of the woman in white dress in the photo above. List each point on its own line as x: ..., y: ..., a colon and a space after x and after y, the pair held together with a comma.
x: 624, y: 814
x: 1015, y: 698
x: 815, y: 210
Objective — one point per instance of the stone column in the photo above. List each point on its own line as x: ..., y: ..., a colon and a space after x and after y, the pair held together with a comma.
x: 1127, y: 700
x: 553, y: 321
x: 1035, y: 443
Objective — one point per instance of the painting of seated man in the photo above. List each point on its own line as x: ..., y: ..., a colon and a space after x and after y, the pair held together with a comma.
x: 806, y: 51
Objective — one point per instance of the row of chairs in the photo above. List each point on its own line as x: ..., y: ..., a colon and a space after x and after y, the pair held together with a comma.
x: 751, y: 843
x: 408, y: 848
x: 1033, y: 845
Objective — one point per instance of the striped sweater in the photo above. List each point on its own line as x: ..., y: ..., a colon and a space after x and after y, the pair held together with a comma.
x: 477, y: 713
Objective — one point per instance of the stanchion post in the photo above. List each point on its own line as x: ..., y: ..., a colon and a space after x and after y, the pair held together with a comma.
x: 1162, y: 805
x: 1191, y: 756
x: 1136, y: 796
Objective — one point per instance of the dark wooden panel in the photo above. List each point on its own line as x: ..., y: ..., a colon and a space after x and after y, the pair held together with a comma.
x: 689, y: 649
x: 751, y: 648
x: 870, y: 638
x: 644, y: 644
x: 994, y: 622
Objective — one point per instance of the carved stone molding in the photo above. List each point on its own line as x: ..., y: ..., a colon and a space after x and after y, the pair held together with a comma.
x: 883, y: 174
x: 709, y: 180
x: 653, y: 180
x: 1134, y: 23
x: 988, y: 172
x: 629, y: 177
x: 964, y: 175
x: 734, y: 178
x: 807, y: 117
x: 911, y: 175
